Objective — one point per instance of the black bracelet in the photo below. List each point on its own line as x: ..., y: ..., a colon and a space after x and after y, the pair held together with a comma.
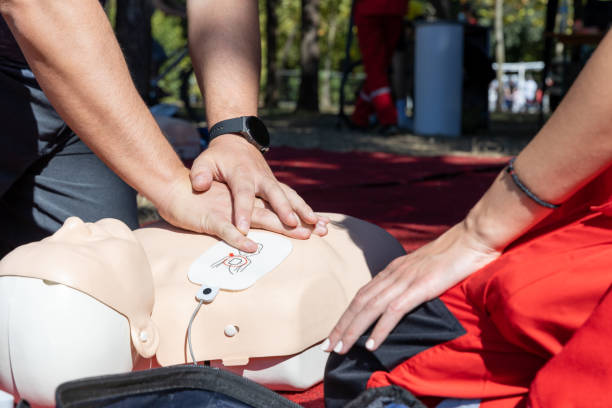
x: 524, y: 189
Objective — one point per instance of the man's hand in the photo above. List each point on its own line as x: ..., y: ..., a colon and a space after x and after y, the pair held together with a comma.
x: 407, y: 282
x: 211, y: 213
x: 233, y: 160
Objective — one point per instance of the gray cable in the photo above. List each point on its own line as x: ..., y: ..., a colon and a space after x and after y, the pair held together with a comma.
x: 195, y: 312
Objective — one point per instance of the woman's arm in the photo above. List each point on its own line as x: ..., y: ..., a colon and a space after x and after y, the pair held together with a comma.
x: 572, y: 148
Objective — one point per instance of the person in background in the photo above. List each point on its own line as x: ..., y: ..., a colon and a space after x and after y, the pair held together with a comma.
x: 76, y: 137
x: 379, y: 26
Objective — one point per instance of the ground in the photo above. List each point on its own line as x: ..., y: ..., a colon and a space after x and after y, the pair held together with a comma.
x: 506, y: 136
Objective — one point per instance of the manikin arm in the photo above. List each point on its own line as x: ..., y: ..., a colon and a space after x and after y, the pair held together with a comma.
x: 572, y: 148
x: 72, y: 50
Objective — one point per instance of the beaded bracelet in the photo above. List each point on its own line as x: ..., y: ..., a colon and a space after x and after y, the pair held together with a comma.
x: 524, y: 189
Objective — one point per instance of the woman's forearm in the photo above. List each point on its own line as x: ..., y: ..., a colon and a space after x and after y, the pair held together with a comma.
x: 572, y: 148
x: 71, y: 48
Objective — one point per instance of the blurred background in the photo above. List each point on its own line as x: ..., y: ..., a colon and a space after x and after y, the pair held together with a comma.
x: 475, y: 76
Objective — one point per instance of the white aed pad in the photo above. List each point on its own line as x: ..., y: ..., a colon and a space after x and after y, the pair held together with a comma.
x: 226, y: 267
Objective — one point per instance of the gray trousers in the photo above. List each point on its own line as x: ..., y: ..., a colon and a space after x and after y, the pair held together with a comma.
x: 47, y: 173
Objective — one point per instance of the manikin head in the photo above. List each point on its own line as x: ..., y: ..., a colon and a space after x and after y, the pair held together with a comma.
x: 74, y: 302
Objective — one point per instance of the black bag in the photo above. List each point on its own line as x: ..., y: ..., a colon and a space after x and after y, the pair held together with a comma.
x: 169, y: 387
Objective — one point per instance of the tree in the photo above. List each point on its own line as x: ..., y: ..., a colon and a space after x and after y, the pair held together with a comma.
x: 500, y: 55
x: 523, y: 25
x: 271, y: 95
x: 308, y: 98
x: 133, y: 29
x: 443, y: 8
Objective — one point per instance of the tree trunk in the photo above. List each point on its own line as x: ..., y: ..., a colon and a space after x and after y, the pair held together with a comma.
x: 284, y: 60
x: 442, y: 8
x: 500, y: 51
x: 308, y: 98
x: 271, y: 96
x: 133, y: 29
x: 326, y: 101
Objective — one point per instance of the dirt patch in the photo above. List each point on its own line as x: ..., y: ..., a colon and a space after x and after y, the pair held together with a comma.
x: 507, y: 135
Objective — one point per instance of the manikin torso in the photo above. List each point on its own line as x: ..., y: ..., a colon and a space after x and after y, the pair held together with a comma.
x: 136, y: 299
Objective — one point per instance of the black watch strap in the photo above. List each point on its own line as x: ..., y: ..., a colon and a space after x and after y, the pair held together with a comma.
x: 235, y: 125
x: 249, y: 127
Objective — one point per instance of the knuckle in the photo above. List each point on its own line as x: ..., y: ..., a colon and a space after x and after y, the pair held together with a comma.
x: 336, y: 333
x: 245, y: 192
x: 226, y: 231
x: 377, y: 303
x: 395, y: 307
x: 206, y: 224
x: 395, y: 263
x: 358, y: 303
x: 351, y: 335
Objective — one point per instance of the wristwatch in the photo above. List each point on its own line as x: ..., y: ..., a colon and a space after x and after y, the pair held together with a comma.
x: 249, y: 127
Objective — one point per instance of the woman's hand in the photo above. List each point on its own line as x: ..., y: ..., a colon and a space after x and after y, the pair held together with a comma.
x: 407, y: 282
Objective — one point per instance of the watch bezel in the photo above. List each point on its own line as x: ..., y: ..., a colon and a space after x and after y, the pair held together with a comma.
x: 258, y: 132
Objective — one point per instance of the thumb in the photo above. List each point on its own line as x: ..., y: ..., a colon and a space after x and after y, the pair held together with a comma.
x: 201, y: 175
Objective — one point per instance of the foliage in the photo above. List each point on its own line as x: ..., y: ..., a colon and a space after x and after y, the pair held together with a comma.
x: 523, y: 30
x: 523, y: 26
x: 333, y: 13
x: 171, y: 34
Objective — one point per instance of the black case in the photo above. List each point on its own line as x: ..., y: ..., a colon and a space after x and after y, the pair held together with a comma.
x: 169, y: 387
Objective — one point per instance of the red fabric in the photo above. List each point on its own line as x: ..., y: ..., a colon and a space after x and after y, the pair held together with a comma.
x: 378, y: 36
x: 415, y: 199
x: 362, y: 112
x: 381, y: 7
x: 521, y: 310
x: 581, y: 374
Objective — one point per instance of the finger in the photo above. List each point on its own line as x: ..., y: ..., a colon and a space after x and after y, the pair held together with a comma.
x: 323, y: 218
x: 275, y: 196
x: 395, y: 311
x: 243, y: 193
x: 218, y: 226
x: 259, y: 203
x: 304, y: 211
x: 377, y: 306
x: 380, y: 283
x: 268, y: 220
x: 201, y: 174
x: 320, y: 229
x: 354, y: 311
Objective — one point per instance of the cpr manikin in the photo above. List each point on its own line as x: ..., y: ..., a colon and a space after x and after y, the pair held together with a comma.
x: 90, y: 298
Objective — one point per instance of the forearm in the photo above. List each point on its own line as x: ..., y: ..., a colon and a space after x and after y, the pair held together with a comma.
x: 226, y: 55
x: 572, y: 148
x: 73, y: 52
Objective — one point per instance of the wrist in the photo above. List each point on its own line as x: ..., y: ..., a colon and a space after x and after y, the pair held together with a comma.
x: 503, y: 214
x: 231, y: 138
x: 250, y: 128
x: 483, y: 230
x: 162, y: 193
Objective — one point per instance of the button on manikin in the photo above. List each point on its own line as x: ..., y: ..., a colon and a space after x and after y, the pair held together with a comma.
x: 230, y: 330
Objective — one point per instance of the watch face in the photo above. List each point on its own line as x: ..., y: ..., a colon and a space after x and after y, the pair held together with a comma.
x: 258, y: 131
